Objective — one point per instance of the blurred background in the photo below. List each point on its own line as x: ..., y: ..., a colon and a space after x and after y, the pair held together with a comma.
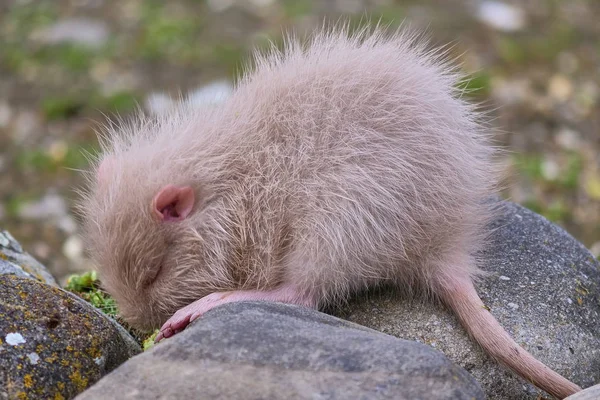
x: 68, y: 66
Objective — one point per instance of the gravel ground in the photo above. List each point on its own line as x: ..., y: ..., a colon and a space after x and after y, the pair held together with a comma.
x: 68, y: 66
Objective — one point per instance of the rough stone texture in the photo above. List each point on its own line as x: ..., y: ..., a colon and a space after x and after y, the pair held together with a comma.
x: 591, y: 393
x: 52, y: 343
x: 13, y: 260
x: 542, y: 287
x: 278, y: 351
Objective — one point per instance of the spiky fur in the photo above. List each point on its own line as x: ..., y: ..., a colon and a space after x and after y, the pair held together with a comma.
x: 337, y: 164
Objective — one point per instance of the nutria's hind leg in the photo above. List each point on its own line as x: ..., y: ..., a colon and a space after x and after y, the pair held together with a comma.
x: 284, y: 294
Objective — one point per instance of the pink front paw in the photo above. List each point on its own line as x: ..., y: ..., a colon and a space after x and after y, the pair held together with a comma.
x: 174, y: 325
x: 182, y: 318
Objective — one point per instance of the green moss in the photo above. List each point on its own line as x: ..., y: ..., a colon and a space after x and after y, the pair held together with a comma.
x: 477, y: 84
x: 75, y: 157
x: 529, y: 165
x: 149, y: 342
x: 68, y: 55
x: 557, y: 211
x: 297, y: 8
x: 42, y: 161
x: 34, y: 159
x: 536, y: 48
x: 14, y: 203
x: 569, y: 179
x: 228, y: 55
x: 26, y: 16
x: 167, y: 35
x: 87, y: 287
x: 61, y: 107
x: 120, y: 102
x: 511, y: 50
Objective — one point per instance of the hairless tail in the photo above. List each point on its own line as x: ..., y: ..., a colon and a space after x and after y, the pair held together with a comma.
x: 460, y: 295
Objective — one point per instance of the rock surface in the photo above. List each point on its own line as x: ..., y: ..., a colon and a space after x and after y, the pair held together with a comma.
x: 13, y: 260
x: 542, y: 287
x: 278, y: 351
x: 591, y: 393
x: 52, y: 343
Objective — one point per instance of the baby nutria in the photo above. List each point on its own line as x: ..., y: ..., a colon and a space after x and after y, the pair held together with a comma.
x: 337, y: 164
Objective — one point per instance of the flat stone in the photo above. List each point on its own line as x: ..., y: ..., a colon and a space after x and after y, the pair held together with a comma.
x: 53, y: 344
x: 278, y: 351
x: 542, y: 287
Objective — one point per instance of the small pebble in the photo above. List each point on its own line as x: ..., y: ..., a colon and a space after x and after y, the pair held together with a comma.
x: 158, y: 103
x: 33, y: 358
x: 560, y: 88
x: 211, y: 94
x: 5, y: 114
x: 504, y: 278
x: 73, y: 248
x: 568, y: 139
x: 550, y: 169
x: 501, y: 16
x: 14, y: 339
x: 82, y: 31
x: 51, y: 205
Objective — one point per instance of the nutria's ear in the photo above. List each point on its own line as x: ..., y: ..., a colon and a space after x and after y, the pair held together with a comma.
x: 173, y: 203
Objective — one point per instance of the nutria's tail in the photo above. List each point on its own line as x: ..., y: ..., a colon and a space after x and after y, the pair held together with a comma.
x: 461, y: 297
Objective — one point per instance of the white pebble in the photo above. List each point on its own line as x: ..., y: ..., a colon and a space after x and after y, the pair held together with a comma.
x: 14, y: 339
x: 158, y: 103
x: 67, y: 224
x: 5, y: 114
x: 513, y: 306
x: 568, y: 139
x: 33, y: 358
x: 550, y: 169
x: 73, y: 248
x: 83, y: 31
x: 50, y: 206
x: 560, y: 88
x: 211, y: 94
x: 501, y: 16
x: 504, y: 278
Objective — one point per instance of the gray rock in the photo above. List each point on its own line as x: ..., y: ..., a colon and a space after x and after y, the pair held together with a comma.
x: 52, y: 343
x: 83, y: 31
x: 591, y: 393
x: 542, y: 287
x: 278, y: 351
x: 15, y: 261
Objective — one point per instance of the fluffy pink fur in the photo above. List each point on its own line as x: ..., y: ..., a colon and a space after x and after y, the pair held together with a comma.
x: 338, y: 164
